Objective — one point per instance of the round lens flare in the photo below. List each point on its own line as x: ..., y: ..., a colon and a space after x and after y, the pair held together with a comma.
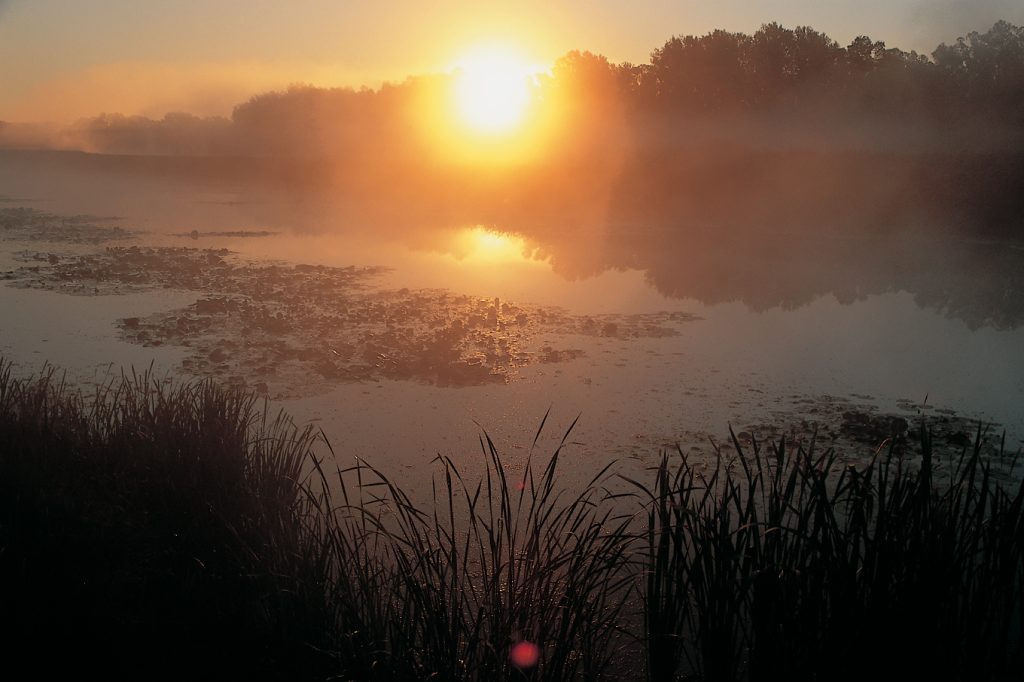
x: 524, y: 655
x: 492, y: 90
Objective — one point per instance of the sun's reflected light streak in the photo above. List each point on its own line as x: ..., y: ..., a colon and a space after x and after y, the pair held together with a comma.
x: 483, y: 245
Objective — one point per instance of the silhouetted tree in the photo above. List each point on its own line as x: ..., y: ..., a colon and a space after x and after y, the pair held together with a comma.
x: 786, y: 81
x: 987, y: 69
x: 707, y: 74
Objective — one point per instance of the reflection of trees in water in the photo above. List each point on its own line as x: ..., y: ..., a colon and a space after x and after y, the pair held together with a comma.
x: 767, y: 266
x: 973, y: 284
x: 778, y: 229
x: 977, y: 283
x: 720, y: 224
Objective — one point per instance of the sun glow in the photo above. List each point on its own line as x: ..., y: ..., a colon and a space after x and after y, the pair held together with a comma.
x: 490, y: 109
x: 493, y: 90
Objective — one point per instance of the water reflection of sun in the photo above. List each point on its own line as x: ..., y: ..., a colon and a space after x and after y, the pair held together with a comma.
x: 480, y: 244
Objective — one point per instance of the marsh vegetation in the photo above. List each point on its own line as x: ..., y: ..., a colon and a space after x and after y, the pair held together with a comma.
x: 184, y: 530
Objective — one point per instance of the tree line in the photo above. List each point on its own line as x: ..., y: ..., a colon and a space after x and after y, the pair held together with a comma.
x: 788, y: 75
x: 782, y: 68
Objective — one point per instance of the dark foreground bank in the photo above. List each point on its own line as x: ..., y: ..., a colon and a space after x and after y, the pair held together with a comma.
x: 153, y: 530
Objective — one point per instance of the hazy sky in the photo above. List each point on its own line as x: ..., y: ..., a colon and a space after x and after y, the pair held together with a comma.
x: 63, y: 59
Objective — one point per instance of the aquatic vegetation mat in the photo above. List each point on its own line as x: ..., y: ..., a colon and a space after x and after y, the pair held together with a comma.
x: 293, y: 329
x: 29, y: 224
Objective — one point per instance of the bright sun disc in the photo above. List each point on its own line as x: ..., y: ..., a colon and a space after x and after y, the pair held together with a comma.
x: 492, y: 90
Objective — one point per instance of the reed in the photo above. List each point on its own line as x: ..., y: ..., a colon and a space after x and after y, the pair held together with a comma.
x: 781, y: 563
x: 154, y: 529
x: 163, y: 530
x: 490, y: 565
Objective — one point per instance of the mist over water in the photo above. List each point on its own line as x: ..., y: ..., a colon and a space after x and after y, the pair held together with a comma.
x: 656, y: 330
x: 768, y: 231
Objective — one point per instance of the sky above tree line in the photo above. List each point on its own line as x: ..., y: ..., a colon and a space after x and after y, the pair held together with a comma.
x: 65, y: 59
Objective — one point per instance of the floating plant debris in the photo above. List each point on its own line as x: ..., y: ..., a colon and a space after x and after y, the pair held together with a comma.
x: 29, y: 224
x: 293, y: 329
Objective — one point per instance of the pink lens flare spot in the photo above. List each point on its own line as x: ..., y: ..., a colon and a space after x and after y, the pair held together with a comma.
x: 524, y: 654
x: 521, y: 485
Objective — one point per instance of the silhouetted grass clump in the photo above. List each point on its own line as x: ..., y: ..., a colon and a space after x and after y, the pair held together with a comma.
x: 154, y: 531
x: 447, y: 593
x: 781, y: 564
x: 161, y: 531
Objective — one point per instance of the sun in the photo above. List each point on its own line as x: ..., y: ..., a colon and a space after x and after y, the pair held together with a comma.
x: 492, y: 90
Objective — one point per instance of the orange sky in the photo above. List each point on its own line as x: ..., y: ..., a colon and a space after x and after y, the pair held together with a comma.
x: 64, y: 59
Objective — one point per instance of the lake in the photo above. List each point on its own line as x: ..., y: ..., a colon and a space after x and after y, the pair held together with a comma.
x: 404, y: 334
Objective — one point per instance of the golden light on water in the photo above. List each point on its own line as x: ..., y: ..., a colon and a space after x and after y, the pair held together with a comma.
x: 482, y: 245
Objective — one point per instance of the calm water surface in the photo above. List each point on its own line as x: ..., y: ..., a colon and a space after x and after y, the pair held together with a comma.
x: 766, y: 343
